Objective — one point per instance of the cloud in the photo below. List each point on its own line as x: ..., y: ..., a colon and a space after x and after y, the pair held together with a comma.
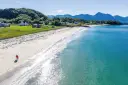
x: 60, y: 11
x: 18, y: 2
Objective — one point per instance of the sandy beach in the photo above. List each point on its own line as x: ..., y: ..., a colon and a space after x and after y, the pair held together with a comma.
x: 28, y: 46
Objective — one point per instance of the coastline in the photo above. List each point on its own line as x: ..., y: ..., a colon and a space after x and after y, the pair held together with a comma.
x: 29, y: 48
x: 97, y: 25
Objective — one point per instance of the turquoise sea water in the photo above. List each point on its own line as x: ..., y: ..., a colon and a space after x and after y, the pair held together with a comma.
x: 98, y: 57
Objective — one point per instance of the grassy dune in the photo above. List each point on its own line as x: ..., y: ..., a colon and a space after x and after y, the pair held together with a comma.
x: 15, y: 30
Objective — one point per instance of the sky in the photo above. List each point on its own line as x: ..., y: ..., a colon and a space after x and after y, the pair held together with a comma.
x: 73, y: 7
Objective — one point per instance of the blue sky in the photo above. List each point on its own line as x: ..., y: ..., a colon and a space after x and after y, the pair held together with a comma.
x: 74, y: 7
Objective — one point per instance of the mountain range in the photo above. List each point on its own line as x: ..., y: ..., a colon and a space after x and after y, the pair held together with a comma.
x: 98, y: 16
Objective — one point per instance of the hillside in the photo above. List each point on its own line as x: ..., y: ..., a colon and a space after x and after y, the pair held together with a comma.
x: 18, y: 14
x: 11, y: 13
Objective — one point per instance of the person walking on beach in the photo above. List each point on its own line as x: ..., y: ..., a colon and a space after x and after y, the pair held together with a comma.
x: 17, y: 58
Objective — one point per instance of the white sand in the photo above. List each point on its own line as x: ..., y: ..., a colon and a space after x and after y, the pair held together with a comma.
x: 29, y: 45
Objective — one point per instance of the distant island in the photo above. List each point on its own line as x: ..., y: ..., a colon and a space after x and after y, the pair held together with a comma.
x: 22, y: 21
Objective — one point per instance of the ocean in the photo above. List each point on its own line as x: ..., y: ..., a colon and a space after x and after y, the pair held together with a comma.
x: 98, y: 57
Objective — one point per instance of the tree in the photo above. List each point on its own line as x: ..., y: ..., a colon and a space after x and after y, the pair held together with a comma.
x: 113, y: 22
x: 46, y: 22
x: 24, y: 18
x: 3, y: 20
x: 37, y: 21
x: 56, y: 23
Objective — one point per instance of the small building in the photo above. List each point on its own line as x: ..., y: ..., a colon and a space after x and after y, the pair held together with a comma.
x: 23, y: 24
x: 4, y: 24
x: 36, y: 26
x: 76, y: 22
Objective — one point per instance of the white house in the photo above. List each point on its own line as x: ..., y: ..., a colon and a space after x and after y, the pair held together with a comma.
x: 23, y: 24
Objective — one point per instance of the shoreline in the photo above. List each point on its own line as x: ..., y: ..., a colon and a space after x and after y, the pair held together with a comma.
x: 24, y: 38
x: 98, y: 25
x: 60, y: 35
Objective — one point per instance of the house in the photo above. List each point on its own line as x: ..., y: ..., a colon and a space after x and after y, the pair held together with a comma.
x: 23, y: 24
x: 4, y: 24
x: 76, y: 22
x: 36, y: 26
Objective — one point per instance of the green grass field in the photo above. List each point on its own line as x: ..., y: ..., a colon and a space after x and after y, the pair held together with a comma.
x: 14, y: 31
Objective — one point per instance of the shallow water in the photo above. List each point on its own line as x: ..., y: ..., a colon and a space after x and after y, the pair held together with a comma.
x: 98, y: 57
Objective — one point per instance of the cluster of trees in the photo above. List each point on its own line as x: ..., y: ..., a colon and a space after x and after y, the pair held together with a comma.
x: 73, y: 21
x: 13, y: 15
x: 66, y: 21
x: 106, y: 22
x: 113, y: 22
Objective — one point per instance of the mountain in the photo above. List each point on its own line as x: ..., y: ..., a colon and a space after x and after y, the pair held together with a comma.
x: 121, y: 19
x: 84, y: 16
x: 66, y: 15
x: 11, y: 13
x: 101, y: 16
x: 98, y: 16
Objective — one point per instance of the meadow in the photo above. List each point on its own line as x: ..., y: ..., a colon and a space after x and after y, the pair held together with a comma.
x: 15, y: 30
